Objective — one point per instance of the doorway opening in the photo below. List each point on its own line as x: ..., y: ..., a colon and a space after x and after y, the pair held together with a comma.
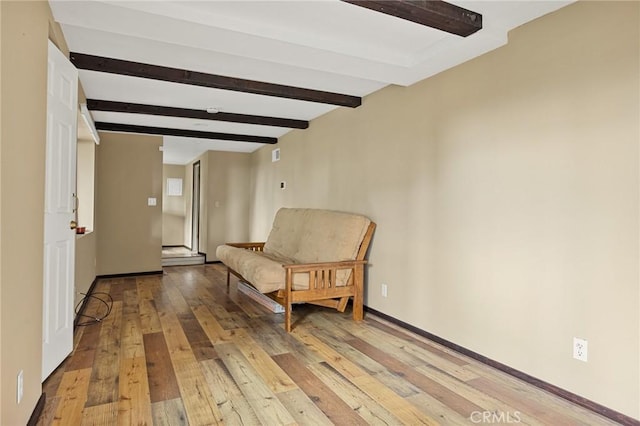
x: 195, y: 209
x: 178, y: 246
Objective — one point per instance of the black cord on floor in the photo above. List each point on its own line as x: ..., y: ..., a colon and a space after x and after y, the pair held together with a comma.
x: 94, y: 320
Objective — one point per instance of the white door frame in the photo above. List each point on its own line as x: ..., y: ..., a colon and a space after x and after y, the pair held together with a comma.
x: 195, y: 209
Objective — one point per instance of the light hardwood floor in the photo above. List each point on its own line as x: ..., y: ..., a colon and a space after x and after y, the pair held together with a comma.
x: 181, y: 349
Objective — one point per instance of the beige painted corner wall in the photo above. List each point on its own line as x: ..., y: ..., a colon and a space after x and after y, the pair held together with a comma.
x: 24, y: 29
x: 224, y: 199
x: 2, y: 375
x: 227, y: 197
x: 86, y: 184
x: 86, y: 263
x: 129, y: 171
x: 86, y: 245
x: 506, y: 193
x: 174, y: 207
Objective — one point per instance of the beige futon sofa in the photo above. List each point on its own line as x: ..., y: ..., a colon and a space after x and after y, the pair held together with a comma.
x: 311, y: 255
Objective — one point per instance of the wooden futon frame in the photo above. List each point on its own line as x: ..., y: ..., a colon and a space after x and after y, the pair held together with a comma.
x: 322, y: 290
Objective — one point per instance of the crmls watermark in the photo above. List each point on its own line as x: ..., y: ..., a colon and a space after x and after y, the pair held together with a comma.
x: 495, y: 417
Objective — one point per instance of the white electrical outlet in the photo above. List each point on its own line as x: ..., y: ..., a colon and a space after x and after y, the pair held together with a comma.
x: 580, y: 349
x: 20, y: 386
x: 384, y: 290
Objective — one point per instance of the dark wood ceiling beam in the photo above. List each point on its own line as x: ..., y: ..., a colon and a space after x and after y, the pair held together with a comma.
x: 195, y: 78
x: 131, y: 108
x: 431, y: 13
x: 130, y: 128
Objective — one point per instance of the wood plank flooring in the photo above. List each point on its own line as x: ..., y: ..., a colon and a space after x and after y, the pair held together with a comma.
x: 181, y: 349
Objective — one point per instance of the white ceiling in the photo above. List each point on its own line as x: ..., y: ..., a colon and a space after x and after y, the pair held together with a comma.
x: 325, y: 45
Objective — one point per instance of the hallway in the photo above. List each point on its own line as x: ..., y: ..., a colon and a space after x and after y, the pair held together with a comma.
x: 180, y: 256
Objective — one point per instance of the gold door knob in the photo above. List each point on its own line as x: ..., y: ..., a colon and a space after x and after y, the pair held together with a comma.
x: 73, y: 224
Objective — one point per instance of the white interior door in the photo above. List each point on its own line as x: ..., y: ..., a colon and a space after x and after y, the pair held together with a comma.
x: 59, y: 214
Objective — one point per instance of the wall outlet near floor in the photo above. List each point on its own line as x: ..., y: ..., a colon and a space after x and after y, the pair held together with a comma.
x: 384, y: 290
x: 580, y: 349
x: 20, y: 386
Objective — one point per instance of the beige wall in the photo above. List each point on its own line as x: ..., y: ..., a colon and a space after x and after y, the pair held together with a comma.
x: 3, y: 378
x: 86, y: 245
x: 24, y: 29
x: 86, y: 183
x: 224, y: 200
x: 85, y: 264
x: 227, y: 199
x: 173, y: 207
x: 129, y: 171
x: 506, y: 196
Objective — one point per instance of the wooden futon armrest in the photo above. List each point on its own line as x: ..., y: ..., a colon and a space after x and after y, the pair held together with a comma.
x: 322, y: 275
x: 323, y: 266
x: 323, y: 285
x: 248, y: 246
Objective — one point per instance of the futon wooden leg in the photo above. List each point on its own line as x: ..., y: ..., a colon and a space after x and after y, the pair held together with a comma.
x: 287, y: 318
x: 358, y: 312
x: 288, y: 288
x: 228, y: 277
